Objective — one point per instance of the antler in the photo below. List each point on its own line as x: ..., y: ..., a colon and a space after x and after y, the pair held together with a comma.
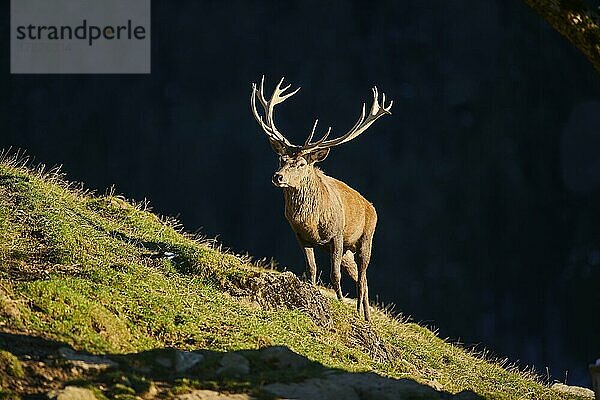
x: 268, y: 123
x: 279, y: 96
x: 363, y: 123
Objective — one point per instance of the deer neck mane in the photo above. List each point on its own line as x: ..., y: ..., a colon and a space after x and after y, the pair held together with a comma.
x: 304, y: 202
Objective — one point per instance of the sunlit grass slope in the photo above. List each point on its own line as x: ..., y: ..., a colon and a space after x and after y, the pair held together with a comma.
x: 107, y: 276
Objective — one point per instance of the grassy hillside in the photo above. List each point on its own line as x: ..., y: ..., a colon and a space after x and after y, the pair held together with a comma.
x: 102, y: 275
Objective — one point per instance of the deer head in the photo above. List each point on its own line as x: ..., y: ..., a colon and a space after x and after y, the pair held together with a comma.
x: 295, y: 160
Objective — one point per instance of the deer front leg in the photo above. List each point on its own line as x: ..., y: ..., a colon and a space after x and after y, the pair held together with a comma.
x: 337, y: 249
x: 311, y: 265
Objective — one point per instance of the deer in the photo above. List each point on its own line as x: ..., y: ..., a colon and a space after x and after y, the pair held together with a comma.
x: 323, y: 212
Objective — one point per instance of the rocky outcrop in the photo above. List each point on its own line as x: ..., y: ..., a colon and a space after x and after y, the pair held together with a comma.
x: 286, y: 290
x: 72, y: 393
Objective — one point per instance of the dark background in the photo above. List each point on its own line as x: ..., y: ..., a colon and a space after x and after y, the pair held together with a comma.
x: 486, y: 178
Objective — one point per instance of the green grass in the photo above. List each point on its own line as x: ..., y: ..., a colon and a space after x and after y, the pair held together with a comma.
x: 91, y: 271
x: 10, y: 365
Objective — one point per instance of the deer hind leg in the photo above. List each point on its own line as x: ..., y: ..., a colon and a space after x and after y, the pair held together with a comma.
x: 337, y: 248
x: 362, y: 289
x: 349, y: 265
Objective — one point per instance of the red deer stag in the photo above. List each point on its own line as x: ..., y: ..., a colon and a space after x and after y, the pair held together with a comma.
x: 322, y: 211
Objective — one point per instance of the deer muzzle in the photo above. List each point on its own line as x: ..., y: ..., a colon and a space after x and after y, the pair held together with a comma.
x: 278, y: 180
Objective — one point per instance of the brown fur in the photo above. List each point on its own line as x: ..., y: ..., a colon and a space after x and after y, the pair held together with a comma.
x: 328, y: 214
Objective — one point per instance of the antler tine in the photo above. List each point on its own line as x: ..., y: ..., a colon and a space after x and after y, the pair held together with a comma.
x: 361, y: 118
x: 267, y: 122
x: 253, y: 104
x: 362, y: 124
x: 286, y: 96
x: 262, y: 92
x: 389, y: 107
x: 375, y: 106
x: 312, y: 132
x: 280, y: 83
x: 324, y: 136
x: 279, y: 91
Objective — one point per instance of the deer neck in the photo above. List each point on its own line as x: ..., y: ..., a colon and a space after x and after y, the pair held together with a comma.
x: 303, y: 203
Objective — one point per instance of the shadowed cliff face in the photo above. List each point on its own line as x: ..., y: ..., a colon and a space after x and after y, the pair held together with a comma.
x: 484, y: 179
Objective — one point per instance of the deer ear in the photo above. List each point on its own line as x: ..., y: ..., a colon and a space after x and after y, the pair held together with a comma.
x: 277, y: 147
x: 317, y: 156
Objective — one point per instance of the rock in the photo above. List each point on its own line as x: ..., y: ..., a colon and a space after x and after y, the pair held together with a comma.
x: 314, y: 389
x: 467, y: 395
x: 45, y: 376
x: 165, y: 361
x: 234, y: 364
x: 286, y: 290
x: 151, y: 391
x: 180, y: 361
x: 72, y: 393
x: 573, y: 390
x: 86, y: 361
x: 282, y: 357
x: 185, y: 360
x: 211, y: 395
x: 364, y: 386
